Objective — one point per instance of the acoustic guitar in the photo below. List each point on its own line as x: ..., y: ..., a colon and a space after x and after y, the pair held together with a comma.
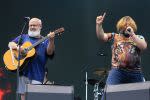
x: 10, y: 57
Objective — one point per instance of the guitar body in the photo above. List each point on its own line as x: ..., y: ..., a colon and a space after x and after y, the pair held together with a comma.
x: 11, y: 58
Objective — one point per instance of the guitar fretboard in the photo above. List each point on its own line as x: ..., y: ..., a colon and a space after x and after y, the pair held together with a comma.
x: 44, y: 38
x: 38, y: 42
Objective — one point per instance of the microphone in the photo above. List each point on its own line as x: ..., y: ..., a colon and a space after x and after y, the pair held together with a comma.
x: 26, y: 18
x: 126, y: 32
x: 129, y: 29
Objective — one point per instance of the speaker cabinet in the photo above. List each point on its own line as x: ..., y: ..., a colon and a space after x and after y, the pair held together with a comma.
x: 49, y: 92
x: 132, y: 91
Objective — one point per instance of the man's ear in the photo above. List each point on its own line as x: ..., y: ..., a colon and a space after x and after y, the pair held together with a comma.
x: 40, y: 26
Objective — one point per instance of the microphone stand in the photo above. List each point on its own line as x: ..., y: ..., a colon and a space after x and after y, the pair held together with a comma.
x: 19, y: 54
x: 86, y: 90
x: 85, y: 67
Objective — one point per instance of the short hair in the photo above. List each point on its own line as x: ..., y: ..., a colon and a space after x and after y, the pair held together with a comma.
x: 37, y: 20
x: 121, y: 24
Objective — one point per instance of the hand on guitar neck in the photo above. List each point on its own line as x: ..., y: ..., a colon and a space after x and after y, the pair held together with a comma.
x: 51, y: 35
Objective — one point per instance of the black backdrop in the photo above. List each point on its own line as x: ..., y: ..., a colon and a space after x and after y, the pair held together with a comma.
x: 78, y: 50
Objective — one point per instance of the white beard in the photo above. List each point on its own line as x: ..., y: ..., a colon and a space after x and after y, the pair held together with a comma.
x: 34, y: 33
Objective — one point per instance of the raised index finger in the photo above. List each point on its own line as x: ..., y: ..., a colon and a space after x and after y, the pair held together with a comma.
x: 104, y: 15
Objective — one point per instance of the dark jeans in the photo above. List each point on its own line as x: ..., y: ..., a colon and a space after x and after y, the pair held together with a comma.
x: 120, y: 76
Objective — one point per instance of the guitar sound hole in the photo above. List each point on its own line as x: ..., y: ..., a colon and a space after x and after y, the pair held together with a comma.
x: 22, y: 56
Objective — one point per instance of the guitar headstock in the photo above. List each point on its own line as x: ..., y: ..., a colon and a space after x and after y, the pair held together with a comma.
x: 59, y: 31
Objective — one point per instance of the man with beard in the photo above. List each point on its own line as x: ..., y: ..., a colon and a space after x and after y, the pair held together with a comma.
x: 126, y: 51
x: 34, y: 71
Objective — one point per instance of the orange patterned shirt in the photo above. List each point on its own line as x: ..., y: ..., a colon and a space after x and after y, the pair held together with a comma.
x: 125, y: 53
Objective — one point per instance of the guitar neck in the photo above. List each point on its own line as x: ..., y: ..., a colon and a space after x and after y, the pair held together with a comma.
x: 44, y: 38
x: 38, y: 42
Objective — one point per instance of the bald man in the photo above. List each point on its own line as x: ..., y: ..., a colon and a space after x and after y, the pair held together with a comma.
x: 34, y: 71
